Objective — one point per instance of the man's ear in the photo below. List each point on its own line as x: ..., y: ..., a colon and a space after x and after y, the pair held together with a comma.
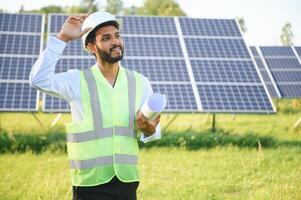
x: 91, y: 47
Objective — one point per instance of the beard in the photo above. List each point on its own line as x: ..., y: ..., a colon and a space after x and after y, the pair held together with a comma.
x: 107, y: 57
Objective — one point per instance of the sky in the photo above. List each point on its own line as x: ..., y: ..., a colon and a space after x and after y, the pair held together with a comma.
x: 264, y: 18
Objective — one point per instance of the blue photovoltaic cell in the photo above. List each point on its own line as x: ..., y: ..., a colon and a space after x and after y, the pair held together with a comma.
x: 17, y: 97
x: 20, y: 22
x: 148, y: 25
x: 209, y: 27
x: 287, y: 76
x: 290, y: 91
x: 216, y: 48
x: 64, y: 64
x: 15, y: 68
x: 152, y: 46
x: 20, y: 44
x: 159, y: 70
x: 275, y: 63
x: 224, y: 71
x: 55, y: 104
x: 277, y: 51
x: 234, y: 97
x: 180, y: 97
x: 75, y: 48
x: 56, y: 22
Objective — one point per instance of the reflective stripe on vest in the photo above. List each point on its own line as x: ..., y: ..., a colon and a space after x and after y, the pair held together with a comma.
x: 100, y: 132
x: 103, y: 160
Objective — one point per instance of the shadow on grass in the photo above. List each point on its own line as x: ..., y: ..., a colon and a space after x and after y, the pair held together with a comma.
x: 54, y: 140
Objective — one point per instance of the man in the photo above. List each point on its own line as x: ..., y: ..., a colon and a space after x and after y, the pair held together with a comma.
x: 105, y: 101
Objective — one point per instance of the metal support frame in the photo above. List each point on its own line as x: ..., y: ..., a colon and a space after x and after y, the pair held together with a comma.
x: 37, y: 119
x: 170, y: 122
x: 213, y: 123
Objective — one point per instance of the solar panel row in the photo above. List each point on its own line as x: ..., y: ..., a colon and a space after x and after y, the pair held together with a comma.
x: 285, y: 68
x: 20, y: 45
x: 200, y: 64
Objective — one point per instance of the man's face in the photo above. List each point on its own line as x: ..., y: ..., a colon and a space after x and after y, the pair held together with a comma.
x: 109, y: 44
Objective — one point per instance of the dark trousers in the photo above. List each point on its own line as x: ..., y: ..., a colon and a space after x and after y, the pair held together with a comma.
x: 113, y: 190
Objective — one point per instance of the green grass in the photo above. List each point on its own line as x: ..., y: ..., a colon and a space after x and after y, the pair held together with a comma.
x: 172, y: 173
x: 168, y: 173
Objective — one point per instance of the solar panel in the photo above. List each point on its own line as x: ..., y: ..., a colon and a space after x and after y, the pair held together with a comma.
x: 288, y: 62
x: 216, y: 48
x: 285, y: 67
x: 12, y: 68
x: 226, y: 77
x: 148, y: 25
x: 224, y: 71
x: 21, y: 23
x: 274, y: 51
x: 179, y: 96
x: 209, y: 27
x: 200, y: 64
x: 152, y: 46
x: 159, y: 70
x: 17, y: 97
x: 55, y: 22
x: 234, y: 98
x: 20, y: 45
x: 55, y: 104
x: 266, y: 75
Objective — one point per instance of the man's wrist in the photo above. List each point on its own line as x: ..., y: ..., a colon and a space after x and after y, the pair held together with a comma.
x: 62, y: 37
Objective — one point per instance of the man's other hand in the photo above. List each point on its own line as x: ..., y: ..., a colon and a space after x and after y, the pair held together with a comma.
x: 146, y: 126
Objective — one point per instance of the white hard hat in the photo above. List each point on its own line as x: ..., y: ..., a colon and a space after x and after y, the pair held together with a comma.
x: 96, y: 19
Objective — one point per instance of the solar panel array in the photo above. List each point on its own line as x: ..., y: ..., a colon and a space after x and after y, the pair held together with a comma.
x: 200, y: 64
x: 285, y: 67
x: 226, y: 77
x: 20, y: 45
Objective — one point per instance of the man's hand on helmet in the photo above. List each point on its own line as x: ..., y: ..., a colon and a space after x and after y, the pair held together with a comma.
x: 71, y: 29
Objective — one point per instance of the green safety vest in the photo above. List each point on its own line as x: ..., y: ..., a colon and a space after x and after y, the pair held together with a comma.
x: 104, y: 144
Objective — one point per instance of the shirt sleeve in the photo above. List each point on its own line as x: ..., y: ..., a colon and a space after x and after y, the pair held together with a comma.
x: 42, y: 76
x: 147, y: 92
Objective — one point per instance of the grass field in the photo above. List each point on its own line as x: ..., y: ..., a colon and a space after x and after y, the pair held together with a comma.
x: 173, y: 173
x: 227, y: 173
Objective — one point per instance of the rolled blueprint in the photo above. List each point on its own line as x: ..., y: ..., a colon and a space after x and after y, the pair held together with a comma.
x: 154, y: 106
